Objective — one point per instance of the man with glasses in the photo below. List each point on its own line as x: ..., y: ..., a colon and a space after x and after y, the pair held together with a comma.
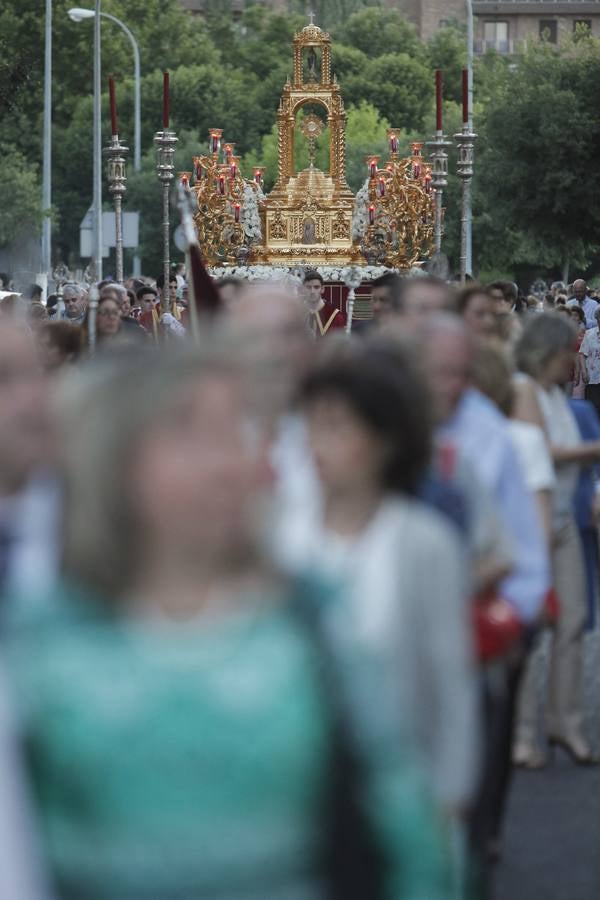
x: 75, y: 299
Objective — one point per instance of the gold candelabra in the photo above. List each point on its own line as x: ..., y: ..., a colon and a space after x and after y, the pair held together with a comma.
x: 400, y: 208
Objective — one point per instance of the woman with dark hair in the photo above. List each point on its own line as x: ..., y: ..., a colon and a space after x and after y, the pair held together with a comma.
x: 475, y: 306
x: 370, y: 437
x: 186, y: 732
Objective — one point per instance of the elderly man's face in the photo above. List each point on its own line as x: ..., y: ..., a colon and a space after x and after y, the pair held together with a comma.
x: 125, y: 305
x: 580, y: 290
x: 449, y: 364
x: 24, y: 420
x: 423, y: 301
x: 75, y: 302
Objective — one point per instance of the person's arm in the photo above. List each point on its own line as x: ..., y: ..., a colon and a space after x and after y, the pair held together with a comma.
x: 586, y: 453
x: 526, y: 407
x: 543, y: 501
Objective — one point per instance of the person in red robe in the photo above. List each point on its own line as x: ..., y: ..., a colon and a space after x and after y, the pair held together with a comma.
x: 323, y: 316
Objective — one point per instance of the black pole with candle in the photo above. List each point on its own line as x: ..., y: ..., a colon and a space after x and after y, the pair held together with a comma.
x: 165, y: 142
x: 439, y: 160
x: 117, y: 177
x: 465, y: 141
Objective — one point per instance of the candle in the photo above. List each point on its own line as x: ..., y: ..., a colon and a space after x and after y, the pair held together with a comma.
x: 373, y: 168
x: 113, y: 106
x: 236, y: 212
x: 438, y: 99
x: 258, y: 175
x: 465, y: 95
x: 393, y: 143
x: 185, y: 181
x: 198, y: 170
x: 221, y: 184
x: 371, y: 215
x: 233, y: 169
x: 428, y: 183
x: 416, y: 170
x: 165, y: 100
x: 381, y: 187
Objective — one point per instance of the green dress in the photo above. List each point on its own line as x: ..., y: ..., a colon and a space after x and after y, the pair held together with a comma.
x: 191, y: 762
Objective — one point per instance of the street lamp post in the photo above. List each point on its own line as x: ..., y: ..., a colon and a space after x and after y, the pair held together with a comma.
x: 77, y: 14
x: 97, y: 144
x: 47, y: 149
x: 469, y: 210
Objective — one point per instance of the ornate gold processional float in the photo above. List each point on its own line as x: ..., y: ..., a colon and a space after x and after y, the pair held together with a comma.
x: 311, y: 217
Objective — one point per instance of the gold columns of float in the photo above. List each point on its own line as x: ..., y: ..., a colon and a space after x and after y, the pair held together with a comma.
x: 321, y: 91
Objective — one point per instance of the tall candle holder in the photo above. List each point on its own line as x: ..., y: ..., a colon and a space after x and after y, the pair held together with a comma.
x: 438, y: 148
x: 165, y: 151
x: 465, y: 141
x: 117, y: 185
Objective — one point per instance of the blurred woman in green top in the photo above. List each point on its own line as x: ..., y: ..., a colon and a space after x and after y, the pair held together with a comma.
x: 185, y: 727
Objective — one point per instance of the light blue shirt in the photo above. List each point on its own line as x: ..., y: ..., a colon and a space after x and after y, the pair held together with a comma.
x: 482, y: 434
x: 589, y: 307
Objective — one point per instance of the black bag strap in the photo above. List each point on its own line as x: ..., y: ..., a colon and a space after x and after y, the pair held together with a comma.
x: 353, y: 864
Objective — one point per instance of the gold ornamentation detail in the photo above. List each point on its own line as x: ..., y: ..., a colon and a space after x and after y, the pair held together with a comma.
x: 277, y: 228
x: 340, y: 228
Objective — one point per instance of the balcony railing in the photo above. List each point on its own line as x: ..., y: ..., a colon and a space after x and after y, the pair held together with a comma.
x: 505, y: 47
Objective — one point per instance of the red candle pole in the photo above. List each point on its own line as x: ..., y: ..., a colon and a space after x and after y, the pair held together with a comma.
x: 438, y: 99
x: 113, y: 106
x: 165, y: 101
x: 465, y: 95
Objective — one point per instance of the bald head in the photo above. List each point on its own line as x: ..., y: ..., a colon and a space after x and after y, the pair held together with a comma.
x: 422, y: 298
x: 24, y: 420
x: 579, y: 289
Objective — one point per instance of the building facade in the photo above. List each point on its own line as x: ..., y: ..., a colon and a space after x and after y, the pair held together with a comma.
x: 500, y: 25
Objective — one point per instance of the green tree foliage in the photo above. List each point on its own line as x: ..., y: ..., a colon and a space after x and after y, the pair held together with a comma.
x: 19, y: 182
x: 447, y: 50
x: 540, y: 147
x: 378, y: 32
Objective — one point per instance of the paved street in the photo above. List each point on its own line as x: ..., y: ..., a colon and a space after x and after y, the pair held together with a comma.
x: 552, y: 840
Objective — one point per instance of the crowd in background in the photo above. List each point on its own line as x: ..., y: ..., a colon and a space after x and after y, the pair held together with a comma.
x: 275, y: 601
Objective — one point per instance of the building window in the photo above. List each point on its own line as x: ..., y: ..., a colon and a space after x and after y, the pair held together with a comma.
x: 495, y: 36
x: 582, y: 27
x: 548, y: 30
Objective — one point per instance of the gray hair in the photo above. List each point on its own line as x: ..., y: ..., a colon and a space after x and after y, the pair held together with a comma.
x: 74, y: 287
x: 544, y: 336
x: 104, y: 414
x: 117, y: 288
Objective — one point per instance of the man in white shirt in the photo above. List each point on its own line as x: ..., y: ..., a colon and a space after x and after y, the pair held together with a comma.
x: 582, y: 299
x: 590, y: 350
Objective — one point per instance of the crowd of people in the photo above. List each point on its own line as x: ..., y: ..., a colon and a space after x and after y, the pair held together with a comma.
x: 274, y: 599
